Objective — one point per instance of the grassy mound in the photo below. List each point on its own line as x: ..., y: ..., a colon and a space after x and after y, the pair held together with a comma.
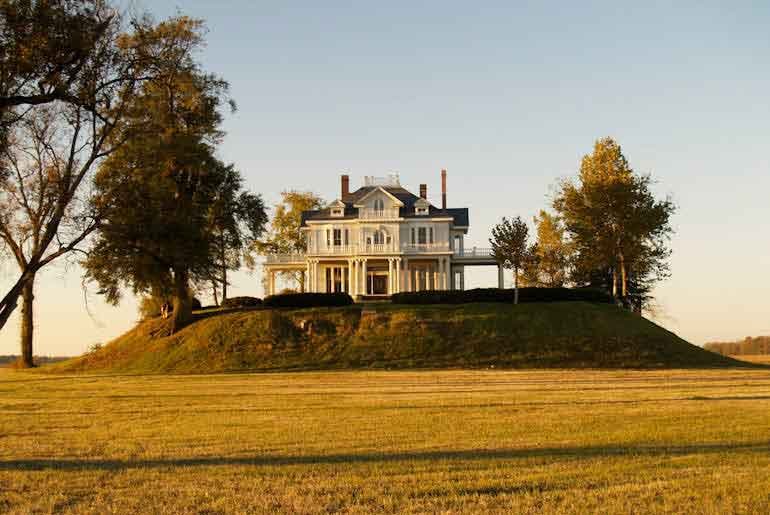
x: 567, y: 335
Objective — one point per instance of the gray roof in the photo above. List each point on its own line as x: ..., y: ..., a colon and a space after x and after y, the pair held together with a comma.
x: 460, y: 215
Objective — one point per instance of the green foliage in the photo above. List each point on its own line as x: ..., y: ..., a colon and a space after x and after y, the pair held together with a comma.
x: 284, y: 235
x: 510, y: 248
x: 308, y: 300
x: 549, y: 262
x: 241, y: 302
x: 618, y: 230
x: 238, y: 220
x: 158, y: 192
x: 526, y: 295
x: 50, y: 50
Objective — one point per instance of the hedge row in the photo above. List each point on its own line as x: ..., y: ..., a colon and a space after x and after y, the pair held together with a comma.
x: 308, y: 300
x: 497, y: 295
x: 241, y: 302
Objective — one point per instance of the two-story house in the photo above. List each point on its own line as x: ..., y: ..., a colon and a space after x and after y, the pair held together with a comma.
x: 382, y: 239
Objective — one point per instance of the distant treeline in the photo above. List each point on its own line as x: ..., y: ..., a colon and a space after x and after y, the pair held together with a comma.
x: 39, y: 360
x: 755, y: 345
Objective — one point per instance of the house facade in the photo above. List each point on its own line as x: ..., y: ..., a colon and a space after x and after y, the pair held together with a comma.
x: 382, y: 239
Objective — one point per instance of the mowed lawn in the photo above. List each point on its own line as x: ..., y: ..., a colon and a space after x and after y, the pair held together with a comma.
x: 384, y: 442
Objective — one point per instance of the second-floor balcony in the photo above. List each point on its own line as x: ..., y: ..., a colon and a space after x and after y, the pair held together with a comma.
x: 366, y: 213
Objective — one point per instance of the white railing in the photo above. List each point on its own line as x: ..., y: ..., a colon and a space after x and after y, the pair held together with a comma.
x: 391, y: 180
x: 366, y: 213
x: 425, y: 247
x: 372, y: 249
x: 379, y: 248
x: 334, y: 250
x: 275, y: 259
x: 473, y: 252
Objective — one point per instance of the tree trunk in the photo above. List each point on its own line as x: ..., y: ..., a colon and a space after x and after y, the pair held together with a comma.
x: 214, y: 292
x: 515, y: 286
x: 623, y: 277
x: 27, y: 324
x: 182, y: 314
x: 224, y: 283
x: 301, y: 281
x: 11, y: 300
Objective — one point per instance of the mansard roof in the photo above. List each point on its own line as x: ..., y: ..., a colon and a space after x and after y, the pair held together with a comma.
x: 406, y: 197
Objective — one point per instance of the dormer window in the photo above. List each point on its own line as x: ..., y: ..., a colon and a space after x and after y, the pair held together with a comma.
x: 337, y: 209
x: 422, y: 207
x: 379, y: 205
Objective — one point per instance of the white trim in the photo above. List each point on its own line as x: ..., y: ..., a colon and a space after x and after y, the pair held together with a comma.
x: 359, y: 203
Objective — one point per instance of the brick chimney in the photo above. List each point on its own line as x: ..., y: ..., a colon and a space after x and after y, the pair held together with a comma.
x: 345, y: 184
x: 424, y: 191
x: 443, y: 189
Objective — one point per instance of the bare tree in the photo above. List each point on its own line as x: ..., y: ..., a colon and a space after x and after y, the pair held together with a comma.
x: 48, y: 159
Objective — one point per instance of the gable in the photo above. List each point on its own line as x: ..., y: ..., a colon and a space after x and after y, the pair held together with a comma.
x: 378, y: 193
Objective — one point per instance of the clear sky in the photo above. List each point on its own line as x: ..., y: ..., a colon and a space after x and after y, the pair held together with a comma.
x: 507, y: 96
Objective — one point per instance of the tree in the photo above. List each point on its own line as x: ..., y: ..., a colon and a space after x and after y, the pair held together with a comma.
x: 47, y: 50
x: 238, y: 220
x: 618, y: 229
x: 550, y: 254
x: 52, y: 148
x: 157, y: 192
x: 511, y: 249
x: 285, y: 236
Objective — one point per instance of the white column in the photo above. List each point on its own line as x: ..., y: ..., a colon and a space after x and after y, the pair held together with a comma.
x: 435, y: 276
x: 352, y: 268
x: 462, y: 278
x: 366, y: 278
x: 390, y: 276
x: 444, y: 273
x: 398, y: 275
x: 357, y: 267
x: 272, y: 282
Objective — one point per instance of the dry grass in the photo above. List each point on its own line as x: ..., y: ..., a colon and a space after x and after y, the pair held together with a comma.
x: 762, y: 359
x: 374, y: 442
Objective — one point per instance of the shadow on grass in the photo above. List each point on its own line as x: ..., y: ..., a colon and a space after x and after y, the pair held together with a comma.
x: 416, y: 456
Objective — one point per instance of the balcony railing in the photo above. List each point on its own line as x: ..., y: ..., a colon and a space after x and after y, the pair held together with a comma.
x: 416, y: 248
x: 374, y: 249
x: 276, y: 259
x: 473, y: 252
x: 366, y: 213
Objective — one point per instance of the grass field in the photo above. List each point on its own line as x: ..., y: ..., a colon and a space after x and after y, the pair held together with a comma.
x: 373, y: 442
x: 762, y: 359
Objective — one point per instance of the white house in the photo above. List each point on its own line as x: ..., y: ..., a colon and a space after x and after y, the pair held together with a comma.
x: 382, y: 239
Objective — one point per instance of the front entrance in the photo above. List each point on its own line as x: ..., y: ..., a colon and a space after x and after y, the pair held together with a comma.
x: 379, y: 285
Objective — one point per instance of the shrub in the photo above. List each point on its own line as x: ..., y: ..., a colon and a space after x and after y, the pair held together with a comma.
x: 308, y: 300
x: 526, y: 295
x: 241, y: 302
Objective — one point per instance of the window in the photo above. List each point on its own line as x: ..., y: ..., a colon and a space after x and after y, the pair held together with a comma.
x: 413, y: 240
x: 379, y: 205
x: 430, y: 235
x: 422, y: 234
x: 421, y: 210
x: 328, y: 238
x: 338, y: 211
x: 337, y: 237
x: 380, y: 238
x: 347, y: 237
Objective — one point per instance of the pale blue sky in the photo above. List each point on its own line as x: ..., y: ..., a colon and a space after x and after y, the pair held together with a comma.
x: 507, y: 97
